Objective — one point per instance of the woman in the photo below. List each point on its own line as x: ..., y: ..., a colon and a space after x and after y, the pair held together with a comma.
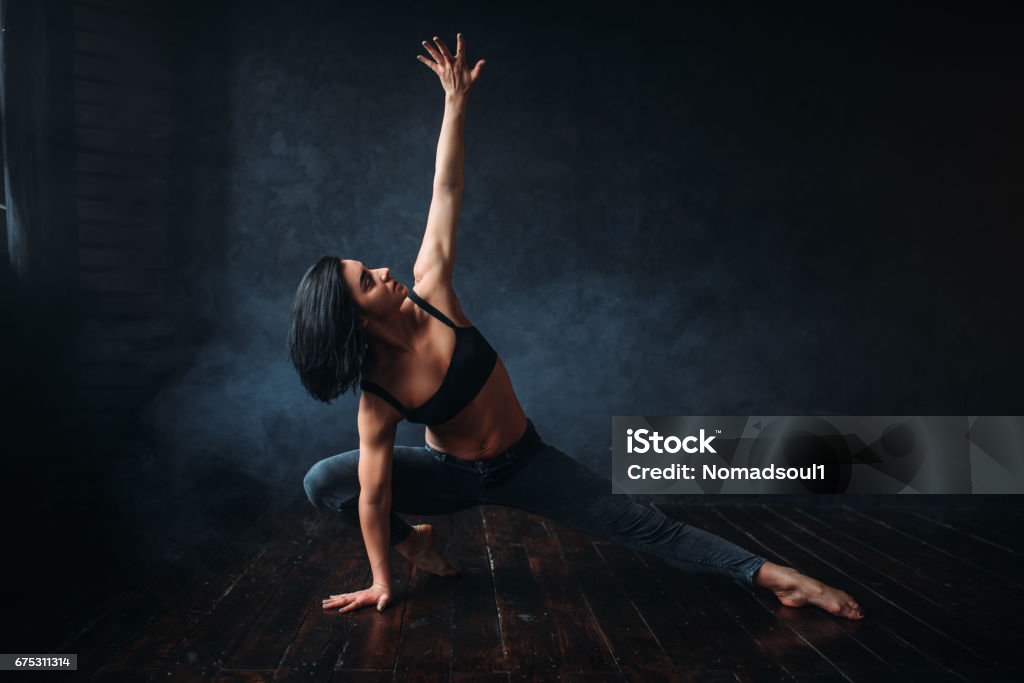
x: 416, y: 347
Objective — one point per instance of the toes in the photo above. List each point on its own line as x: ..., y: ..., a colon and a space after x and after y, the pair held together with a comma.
x: 834, y: 607
x: 848, y: 609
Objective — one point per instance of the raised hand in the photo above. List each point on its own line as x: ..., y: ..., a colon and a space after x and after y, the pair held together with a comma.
x: 456, y: 77
x: 376, y: 595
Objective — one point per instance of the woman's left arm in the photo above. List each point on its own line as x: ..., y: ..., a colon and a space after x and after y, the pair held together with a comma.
x: 437, y: 253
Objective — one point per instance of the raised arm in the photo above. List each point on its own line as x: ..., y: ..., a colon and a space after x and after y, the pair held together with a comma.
x: 437, y: 253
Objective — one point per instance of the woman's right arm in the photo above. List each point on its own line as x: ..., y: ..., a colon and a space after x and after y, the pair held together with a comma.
x: 376, y: 450
x: 436, y: 257
x: 377, y: 424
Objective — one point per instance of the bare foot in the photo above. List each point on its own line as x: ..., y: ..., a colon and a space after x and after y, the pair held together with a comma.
x: 419, y: 549
x: 794, y: 589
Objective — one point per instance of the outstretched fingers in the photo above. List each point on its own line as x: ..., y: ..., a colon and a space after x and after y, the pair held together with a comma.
x: 438, y: 57
x: 436, y: 63
x: 454, y: 72
x: 475, y: 73
x: 433, y: 67
x: 444, y: 49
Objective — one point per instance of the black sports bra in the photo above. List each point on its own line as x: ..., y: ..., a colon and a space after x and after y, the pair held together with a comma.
x: 472, y: 362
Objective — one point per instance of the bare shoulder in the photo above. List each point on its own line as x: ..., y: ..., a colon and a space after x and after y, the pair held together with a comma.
x: 438, y: 291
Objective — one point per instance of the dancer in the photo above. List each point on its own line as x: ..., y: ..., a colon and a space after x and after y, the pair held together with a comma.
x: 416, y: 356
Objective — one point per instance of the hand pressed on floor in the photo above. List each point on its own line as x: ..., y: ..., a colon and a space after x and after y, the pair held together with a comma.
x: 376, y: 595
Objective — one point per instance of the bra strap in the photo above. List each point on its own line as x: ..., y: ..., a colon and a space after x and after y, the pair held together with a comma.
x: 430, y: 309
x: 367, y: 385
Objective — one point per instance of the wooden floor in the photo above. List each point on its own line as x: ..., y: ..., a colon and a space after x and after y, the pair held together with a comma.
x: 943, y: 594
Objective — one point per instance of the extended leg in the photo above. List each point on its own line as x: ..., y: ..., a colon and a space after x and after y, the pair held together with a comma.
x: 553, y: 485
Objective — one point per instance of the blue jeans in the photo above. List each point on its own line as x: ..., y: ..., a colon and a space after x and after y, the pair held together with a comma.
x: 531, y: 476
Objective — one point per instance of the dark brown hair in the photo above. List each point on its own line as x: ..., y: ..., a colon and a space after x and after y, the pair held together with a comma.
x: 326, y: 343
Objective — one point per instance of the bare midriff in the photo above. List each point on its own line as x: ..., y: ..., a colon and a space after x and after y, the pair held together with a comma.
x: 491, y: 423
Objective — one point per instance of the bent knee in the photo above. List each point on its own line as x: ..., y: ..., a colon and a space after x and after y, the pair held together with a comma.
x: 311, y: 483
x: 329, y: 485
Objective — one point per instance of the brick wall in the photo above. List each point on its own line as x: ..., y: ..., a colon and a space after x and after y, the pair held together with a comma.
x: 123, y: 117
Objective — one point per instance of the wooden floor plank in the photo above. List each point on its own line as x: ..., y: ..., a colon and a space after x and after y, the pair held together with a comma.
x: 538, y: 601
x: 177, y: 601
x: 476, y: 634
x: 636, y: 649
x: 902, y: 587
x: 526, y: 633
x: 693, y: 630
x: 477, y: 677
x: 206, y: 647
x: 583, y: 646
x: 873, y: 634
x: 264, y: 645
x: 373, y: 639
x: 244, y: 676
x: 363, y: 676
x: 989, y: 560
x: 130, y: 588
x: 143, y: 639
x: 948, y: 582
x: 820, y: 630
x: 123, y: 675
x: 1003, y: 531
x: 425, y: 649
x: 320, y: 638
x: 122, y: 587
x: 793, y: 654
x: 882, y: 600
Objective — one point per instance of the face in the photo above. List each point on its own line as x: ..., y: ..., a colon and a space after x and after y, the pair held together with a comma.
x: 375, y: 292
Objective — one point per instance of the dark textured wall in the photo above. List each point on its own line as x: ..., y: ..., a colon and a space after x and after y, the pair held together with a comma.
x: 805, y: 210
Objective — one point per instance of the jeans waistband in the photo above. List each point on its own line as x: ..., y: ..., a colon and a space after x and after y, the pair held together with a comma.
x: 524, y: 446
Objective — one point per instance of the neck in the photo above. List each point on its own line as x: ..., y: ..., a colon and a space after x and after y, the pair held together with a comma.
x: 392, y: 335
